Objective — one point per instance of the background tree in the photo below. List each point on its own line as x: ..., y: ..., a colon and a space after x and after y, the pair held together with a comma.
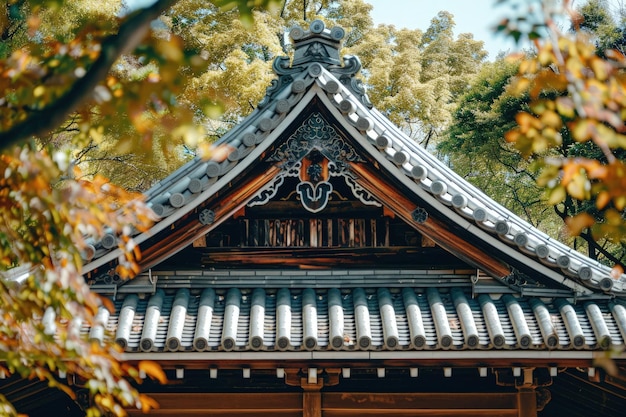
x: 476, y: 144
x: 414, y: 77
x: 59, y: 79
x: 574, y: 93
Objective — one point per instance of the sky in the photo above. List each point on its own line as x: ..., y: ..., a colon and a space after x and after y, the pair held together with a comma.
x: 474, y: 16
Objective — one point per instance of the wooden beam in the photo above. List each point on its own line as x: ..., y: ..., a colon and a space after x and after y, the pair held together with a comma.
x: 397, y: 402
x: 433, y: 229
x: 313, y: 403
x: 185, y: 231
x: 225, y: 404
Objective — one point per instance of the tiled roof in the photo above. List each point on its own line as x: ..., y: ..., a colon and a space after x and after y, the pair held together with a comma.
x: 357, y: 319
x: 337, y: 87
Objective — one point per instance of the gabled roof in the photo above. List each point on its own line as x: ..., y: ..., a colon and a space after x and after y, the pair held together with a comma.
x: 317, y: 78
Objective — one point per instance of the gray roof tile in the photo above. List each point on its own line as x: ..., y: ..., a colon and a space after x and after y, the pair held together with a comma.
x: 357, y: 319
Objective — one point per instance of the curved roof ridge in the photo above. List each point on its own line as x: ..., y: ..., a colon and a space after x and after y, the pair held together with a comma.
x: 440, y: 181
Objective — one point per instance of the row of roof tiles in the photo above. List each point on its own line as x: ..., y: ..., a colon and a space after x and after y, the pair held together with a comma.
x: 355, y: 319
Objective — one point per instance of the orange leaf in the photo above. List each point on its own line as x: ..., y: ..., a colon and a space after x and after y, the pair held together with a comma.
x: 147, y: 403
x: 577, y: 223
x: 153, y: 370
x: 617, y: 272
x: 603, y: 199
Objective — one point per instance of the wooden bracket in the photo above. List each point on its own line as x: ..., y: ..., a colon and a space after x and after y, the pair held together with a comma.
x: 304, y: 379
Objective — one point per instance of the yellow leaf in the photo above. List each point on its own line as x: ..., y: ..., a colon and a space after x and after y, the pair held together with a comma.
x: 551, y: 119
x: 617, y: 271
x: 579, y: 187
x: 600, y: 68
x: 153, y: 370
x: 519, y: 86
x: 556, y: 195
x: 565, y: 106
x: 581, y: 130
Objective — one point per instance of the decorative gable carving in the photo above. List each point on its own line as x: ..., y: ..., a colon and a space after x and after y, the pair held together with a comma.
x: 315, y: 152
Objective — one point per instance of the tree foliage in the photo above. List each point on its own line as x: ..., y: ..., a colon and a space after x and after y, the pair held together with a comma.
x: 475, y: 148
x: 415, y: 76
x: 63, y: 85
x: 574, y: 93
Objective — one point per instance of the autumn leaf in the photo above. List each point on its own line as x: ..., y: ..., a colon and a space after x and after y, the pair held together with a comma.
x: 576, y: 224
x: 153, y: 370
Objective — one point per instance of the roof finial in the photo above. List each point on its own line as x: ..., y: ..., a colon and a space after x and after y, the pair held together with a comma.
x: 318, y: 44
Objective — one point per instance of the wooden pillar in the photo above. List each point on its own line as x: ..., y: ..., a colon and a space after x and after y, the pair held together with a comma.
x: 526, y: 395
x: 312, y: 397
x: 526, y: 402
x: 312, y: 404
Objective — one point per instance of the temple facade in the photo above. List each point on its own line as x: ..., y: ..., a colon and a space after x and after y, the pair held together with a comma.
x: 326, y: 265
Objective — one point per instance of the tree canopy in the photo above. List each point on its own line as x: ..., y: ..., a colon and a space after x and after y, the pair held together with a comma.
x: 574, y: 124
x: 63, y: 85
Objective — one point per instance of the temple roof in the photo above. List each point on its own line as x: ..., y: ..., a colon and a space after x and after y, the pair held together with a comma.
x: 358, y: 319
x: 318, y: 80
